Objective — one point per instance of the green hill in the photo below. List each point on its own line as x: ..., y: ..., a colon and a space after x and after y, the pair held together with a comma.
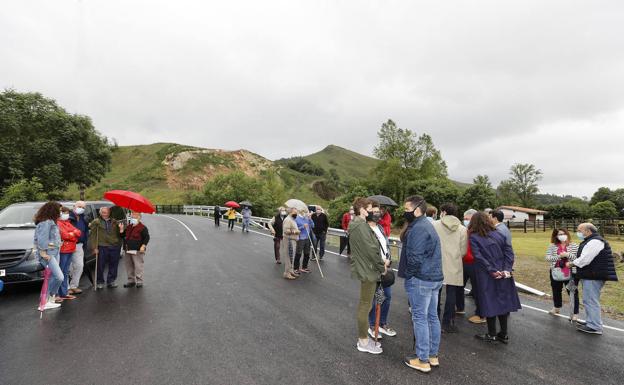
x: 167, y: 172
x: 348, y: 164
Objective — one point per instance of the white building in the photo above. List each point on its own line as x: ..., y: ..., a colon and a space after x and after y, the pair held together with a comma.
x: 520, y: 214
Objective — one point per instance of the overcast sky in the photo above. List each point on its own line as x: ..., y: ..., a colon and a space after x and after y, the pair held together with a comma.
x: 493, y: 82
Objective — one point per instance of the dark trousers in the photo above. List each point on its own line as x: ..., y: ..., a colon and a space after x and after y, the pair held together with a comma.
x: 344, y: 243
x: 303, y: 245
x: 491, y: 324
x: 217, y: 220
x: 469, y: 273
x: 450, y: 302
x: 319, y: 241
x: 557, y: 287
x: 231, y: 224
x: 108, y: 256
x: 277, y: 242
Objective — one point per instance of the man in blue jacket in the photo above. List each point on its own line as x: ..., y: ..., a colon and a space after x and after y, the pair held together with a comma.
x: 77, y: 218
x: 421, y: 267
x: 304, y: 224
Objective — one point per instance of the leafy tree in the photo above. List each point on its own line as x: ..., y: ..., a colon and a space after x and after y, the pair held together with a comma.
x: 480, y: 195
x: 564, y: 211
x: 340, y: 205
x: 435, y: 191
x: 604, y: 210
x: 601, y: 195
x: 522, y: 184
x: 302, y: 165
x: 22, y: 191
x: 39, y: 139
x: 506, y: 194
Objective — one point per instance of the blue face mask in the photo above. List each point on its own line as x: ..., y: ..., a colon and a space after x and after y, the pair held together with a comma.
x: 466, y: 222
x: 580, y: 235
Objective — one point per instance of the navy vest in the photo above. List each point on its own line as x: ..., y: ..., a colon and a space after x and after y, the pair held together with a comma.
x: 602, y: 268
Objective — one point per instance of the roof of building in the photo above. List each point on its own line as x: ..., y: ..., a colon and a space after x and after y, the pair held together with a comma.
x: 523, y: 210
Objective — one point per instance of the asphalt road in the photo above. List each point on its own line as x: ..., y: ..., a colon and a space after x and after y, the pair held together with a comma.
x: 216, y: 311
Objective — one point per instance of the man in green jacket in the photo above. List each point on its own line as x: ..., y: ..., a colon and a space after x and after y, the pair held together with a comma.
x: 105, y: 241
x: 367, y: 266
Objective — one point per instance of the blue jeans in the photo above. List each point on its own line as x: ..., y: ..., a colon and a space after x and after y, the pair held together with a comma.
x: 385, y: 309
x: 57, y: 274
x: 64, y: 264
x: 591, y: 301
x: 423, y: 298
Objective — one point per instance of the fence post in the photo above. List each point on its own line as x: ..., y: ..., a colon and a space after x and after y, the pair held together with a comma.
x: 535, y: 226
x: 525, y: 226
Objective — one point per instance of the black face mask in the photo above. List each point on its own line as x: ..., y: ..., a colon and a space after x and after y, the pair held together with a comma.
x: 377, y: 217
x: 370, y: 217
x: 293, y: 215
x: 409, y: 216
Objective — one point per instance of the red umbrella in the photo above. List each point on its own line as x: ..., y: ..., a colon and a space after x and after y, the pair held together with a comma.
x: 232, y: 204
x: 130, y: 200
x: 43, y: 298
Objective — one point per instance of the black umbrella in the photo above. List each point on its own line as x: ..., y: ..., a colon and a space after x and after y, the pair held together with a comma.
x: 384, y: 200
x: 246, y: 203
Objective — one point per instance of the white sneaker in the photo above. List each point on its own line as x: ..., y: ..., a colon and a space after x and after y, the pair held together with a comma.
x: 554, y: 311
x: 50, y: 305
x: 371, y: 347
x: 371, y: 333
x: 387, y: 330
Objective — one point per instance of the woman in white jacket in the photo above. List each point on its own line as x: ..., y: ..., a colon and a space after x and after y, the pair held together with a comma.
x: 560, y: 251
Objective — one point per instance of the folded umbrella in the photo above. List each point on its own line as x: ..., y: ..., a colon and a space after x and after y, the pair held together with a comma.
x: 43, y: 297
x: 384, y: 200
x: 130, y: 200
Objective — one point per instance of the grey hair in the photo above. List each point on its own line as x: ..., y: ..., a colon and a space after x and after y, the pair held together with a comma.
x: 470, y: 212
x: 589, y: 226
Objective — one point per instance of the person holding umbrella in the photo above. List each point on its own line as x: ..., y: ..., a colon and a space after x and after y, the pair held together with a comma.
x: 231, y: 216
x: 367, y: 267
x: 277, y: 230
x: 136, y: 237
x: 105, y: 240
x: 217, y: 216
x: 246, y: 213
x: 386, y: 219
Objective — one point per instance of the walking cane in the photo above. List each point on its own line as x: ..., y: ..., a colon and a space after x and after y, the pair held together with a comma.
x: 97, y: 236
x: 315, y: 256
x: 572, y: 288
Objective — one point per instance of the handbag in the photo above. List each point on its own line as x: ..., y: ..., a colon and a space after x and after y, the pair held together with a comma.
x: 387, y: 279
x: 560, y: 272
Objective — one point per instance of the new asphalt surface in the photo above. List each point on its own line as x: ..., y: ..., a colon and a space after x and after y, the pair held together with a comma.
x: 216, y: 310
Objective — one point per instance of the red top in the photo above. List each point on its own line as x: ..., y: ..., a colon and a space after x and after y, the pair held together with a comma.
x: 468, y: 258
x: 69, y: 241
x: 386, y: 223
x: 346, y: 219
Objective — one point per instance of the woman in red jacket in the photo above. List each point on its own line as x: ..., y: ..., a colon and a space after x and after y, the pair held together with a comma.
x: 69, y: 236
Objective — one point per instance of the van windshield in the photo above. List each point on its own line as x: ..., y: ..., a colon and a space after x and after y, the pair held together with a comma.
x: 18, y: 216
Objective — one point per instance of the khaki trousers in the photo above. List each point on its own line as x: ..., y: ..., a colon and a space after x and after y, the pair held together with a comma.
x: 134, y: 266
x: 287, y: 248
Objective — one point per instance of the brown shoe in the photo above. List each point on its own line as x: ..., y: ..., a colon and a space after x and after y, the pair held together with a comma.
x: 434, y: 362
x: 475, y: 319
x: 414, y: 363
x: 290, y: 276
x: 75, y: 291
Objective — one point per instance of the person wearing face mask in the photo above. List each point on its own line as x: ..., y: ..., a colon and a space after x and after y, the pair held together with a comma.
x: 321, y: 225
x: 384, y: 250
x: 421, y: 267
x: 344, y: 240
x: 136, y: 237
x: 105, y: 241
x: 367, y: 267
x: 290, y: 234
x: 594, y: 266
x: 77, y: 219
x: 276, y: 225
x: 305, y: 225
x: 70, y: 236
x: 217, y: 216
x: 561, y: 251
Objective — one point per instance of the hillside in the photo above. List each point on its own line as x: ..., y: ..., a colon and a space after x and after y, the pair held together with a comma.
x: 167, y: 172
x: 348, y: 164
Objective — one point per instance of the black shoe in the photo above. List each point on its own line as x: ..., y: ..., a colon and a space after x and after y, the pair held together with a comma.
x: 586, y: 329
x: 129, y: 284
x: 139, y: 285
x: 112, y: 285
x: 502, y: 338
x: 486, y: 337
x: 470, y: 294
x: 449, y: 329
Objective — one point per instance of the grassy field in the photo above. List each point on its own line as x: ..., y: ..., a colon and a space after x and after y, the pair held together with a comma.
x: 348, y: 164
x: 532, y: 269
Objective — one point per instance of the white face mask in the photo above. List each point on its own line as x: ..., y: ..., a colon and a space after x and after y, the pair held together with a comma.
x: 283, y: 213
x: 134, y: 221
x: 562, y: 238
x: 79, y: 210
x: 64, y: 216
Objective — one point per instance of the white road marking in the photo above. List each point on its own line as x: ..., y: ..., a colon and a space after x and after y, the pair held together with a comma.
x: 523, y: 305
x: 182, y: 223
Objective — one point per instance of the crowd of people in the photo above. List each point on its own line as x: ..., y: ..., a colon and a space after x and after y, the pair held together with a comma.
x: 440, y: 254
x: 62, y: 236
